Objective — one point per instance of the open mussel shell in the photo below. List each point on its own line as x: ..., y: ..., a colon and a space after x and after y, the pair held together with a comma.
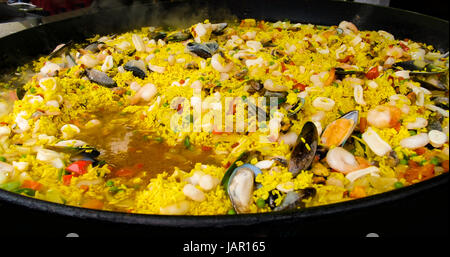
x: 100, y: 78
x: 178, y: 36
x: 296, y: 107
x: 340, y: 71
x: 205, y: 50
x: 63, y: 48
x: 137, y: 67
x: 340, y: 130
x: 295, y: 199
x: 419, y: 67
x: 157, y: 35
x: 219, y: 28
x: 304, y: 152
x: 241, y: 185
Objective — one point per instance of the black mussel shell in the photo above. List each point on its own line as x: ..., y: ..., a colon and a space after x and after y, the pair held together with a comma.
x: 304, y: 152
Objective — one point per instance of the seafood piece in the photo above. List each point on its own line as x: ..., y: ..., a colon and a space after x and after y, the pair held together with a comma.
x: 341, y: 71
x: 323, y: 103
x: 240, y: 187
x: 138, y: 43
x: 375, y: 142
x: 60, y: 49
x: 100, y: 78
x: 304, y: 152
x: 295, y: 199
x: 70, y: 60
x: 137, y: 67
x: 177, y: 36
x: 205, y: 50
x: 415, y: 141
x: 157, y: 35
x: 383, y: 116
x: 296, y: 107
x: 254, y: 86
x: 437, y: 138
x: 420, y: 67
x: 218, y: 28
x: 341, y: 160
x: 218, y: 66
x: 93, y: 48
x: 354, y: 175
x: 338, y: 131
x: 233, y: 166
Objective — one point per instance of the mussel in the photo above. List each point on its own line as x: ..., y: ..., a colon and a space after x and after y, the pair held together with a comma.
x: 60, y: 49
x: 304, y: 151
x: 240, y: 187
x: 205, y: 50
x: 420, y: 67
x: 218, y: 28
x: 178, y: 36
x: 342, y: 72
x: 296, y: 107
x: 100, y: 78
x: 338, y: 131
x: 137, y: 67
x: 295, y: 199
x: 77, y: 149
x: 157, y: 35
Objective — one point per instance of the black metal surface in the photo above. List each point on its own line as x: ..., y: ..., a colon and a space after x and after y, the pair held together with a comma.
x: 20, y: 47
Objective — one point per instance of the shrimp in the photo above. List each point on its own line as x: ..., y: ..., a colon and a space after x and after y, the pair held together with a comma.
x: 384, y: 116
x: 348, y: 27
x: 343, y: 161
x: 218, y: 66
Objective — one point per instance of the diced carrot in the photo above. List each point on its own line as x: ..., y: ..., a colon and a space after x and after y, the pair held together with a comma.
x: 93, y: 204
x: 358, y: 192
x: 31, y: 185
x: 419, y: 173
x: 421, y: 150
x: 84, y: 188
x: 362, y: 124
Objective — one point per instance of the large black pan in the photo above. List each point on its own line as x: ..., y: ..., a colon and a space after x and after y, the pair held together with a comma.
x: 20, y: 47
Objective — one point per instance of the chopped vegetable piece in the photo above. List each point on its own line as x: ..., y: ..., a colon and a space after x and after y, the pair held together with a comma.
x: 93, y: 204
x: 79, y: 167
x: 260, y: 203
x: 31, y: 185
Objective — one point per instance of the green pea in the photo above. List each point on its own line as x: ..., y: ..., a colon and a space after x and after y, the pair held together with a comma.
x: 32, y: 90
x: 260, y: 203
x: 435, y: 161
x: 412, y: 132
x: 231, y: 212
x: 110, y: 183
x: 2, y: 159
x: 244, y: 97
x: 165, y: 104
x: 404, y: 162
x: 398, y: 185
x: 159, y: 139
x: 422, y: 162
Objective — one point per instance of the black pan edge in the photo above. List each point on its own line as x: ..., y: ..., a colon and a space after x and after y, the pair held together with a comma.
x: 204, y: 221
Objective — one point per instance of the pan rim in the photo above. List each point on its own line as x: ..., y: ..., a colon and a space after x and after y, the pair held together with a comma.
x: 202, y: 221
x: 227, y: 220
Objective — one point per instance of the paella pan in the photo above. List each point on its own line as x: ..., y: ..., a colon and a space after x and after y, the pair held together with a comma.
x: 328, y: 113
